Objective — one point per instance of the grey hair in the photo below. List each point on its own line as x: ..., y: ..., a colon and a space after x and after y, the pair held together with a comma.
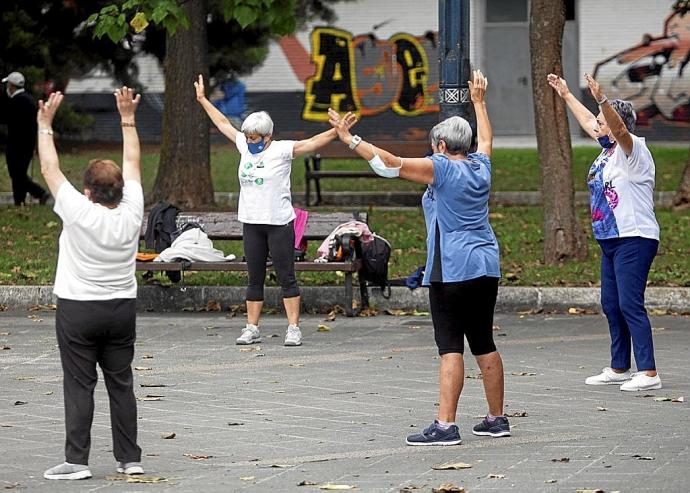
x: 626, y: 112
x: 455, y: 132
x: 258, y: 123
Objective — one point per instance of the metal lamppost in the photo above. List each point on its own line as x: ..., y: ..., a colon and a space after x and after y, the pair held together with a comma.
x: 454, y: 58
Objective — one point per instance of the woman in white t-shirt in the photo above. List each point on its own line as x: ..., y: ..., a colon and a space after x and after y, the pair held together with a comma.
x: 621, y: 184
x: 265, y: 209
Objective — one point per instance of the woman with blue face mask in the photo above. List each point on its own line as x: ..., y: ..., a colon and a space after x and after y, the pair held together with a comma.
x: 265, y: 209
x: 462, y: 267
x: 621, y: 184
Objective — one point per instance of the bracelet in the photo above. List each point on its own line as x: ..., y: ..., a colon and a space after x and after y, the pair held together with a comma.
x: 602, y: 101
x: 128, y: 124
x: 48, y: 131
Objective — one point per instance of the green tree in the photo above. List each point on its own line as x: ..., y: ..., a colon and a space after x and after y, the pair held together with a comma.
x: 239, y: 30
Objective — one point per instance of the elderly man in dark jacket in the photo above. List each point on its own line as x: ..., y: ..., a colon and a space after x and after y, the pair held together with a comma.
x: 20, y: 117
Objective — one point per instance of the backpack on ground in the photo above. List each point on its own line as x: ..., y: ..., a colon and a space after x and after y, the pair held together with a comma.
x: 375, y: 255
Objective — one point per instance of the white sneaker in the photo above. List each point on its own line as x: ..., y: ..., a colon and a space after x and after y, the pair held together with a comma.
x: 130, y: 468
x: 608, y: 377
x: 293, y: 336
x: 67, y: 470
x: 640, y: 381
x: 250, y: 335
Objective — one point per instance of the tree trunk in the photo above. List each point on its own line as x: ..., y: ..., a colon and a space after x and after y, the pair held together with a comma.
x: 681, y: 201
x: 563, y: 237
x: 184, y: 171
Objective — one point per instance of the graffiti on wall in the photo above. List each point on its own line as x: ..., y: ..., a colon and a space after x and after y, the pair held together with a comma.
x: 655, y: 74
x: 368, y: 76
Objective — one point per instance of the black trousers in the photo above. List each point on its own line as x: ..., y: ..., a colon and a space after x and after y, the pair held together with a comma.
x: 18, y: 161
x: 103, y: 332
x: 259, y: 240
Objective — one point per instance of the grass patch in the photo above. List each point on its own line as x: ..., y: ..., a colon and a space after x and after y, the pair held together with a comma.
x: 29, y: 249
x: 513, y: 170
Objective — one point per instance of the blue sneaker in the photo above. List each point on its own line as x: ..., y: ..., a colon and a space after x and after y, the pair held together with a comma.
x: 498, y: 428
x: 434, y: 435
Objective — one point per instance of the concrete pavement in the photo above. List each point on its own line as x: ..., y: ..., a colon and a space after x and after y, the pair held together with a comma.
x: 337, y: 409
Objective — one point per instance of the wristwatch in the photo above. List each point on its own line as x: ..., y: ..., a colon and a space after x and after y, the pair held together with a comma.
x: 356, y: 139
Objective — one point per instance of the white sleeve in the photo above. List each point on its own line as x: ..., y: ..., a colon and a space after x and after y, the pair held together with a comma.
x: 287, y: 148
x: 69, y: 203
x: 640, y: 159
x: 133, y: 199
x: 241, y: 142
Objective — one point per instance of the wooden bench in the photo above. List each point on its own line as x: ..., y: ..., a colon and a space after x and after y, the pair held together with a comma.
x: 315, y: 173
x: 225, y: 226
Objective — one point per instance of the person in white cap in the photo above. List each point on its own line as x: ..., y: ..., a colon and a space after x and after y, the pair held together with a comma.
x: 20, y: 119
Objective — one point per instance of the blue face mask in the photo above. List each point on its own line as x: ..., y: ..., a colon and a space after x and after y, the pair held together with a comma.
x: 258, y: 147
x: 605, y: 142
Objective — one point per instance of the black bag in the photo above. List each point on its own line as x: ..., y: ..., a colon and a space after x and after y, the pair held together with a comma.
x: 375, y: 256
x: 160, y: 228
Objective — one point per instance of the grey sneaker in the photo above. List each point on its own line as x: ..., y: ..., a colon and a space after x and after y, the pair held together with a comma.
x: 68, y: 471
x: 293, y: 336
x: 250, y: 335
x: 130, y: 468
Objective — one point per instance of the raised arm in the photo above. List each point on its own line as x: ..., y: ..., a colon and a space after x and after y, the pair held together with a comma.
x: 485, y: 136
x: 384, y: 163
x: 613, y: 119
x: 47, y: 154
x: 314, y: 143
x: 584, y: 117
x: 219, y: 119
x: 131, y: 150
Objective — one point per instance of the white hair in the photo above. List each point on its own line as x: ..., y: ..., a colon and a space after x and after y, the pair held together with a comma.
x: 258, y: 123
x: 455, y: 132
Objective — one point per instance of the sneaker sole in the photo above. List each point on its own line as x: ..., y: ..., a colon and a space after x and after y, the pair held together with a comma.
x: 72, y: 475
x: 639, y: 389
x: 489, y: 434
x: 133, y: 472
x: 292, y: 343
x: 245, y: 343
x: 433, y: 444
x: 617, y: 382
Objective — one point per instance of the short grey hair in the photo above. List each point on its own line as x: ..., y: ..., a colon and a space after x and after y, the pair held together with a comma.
x: 455, y: 132
x: 626, y: 111
x: 258, y: 123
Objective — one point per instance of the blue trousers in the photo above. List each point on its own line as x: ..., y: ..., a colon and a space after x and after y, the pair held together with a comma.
x: 625, y: 264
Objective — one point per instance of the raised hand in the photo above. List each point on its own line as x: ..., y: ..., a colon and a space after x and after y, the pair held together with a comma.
x: 126, y: 103
x: 343, y: 124
x: 47, y: 109
x: 559, y: 84
x: 595, y: 88
x: 478, y: 86
x: 200, y: 90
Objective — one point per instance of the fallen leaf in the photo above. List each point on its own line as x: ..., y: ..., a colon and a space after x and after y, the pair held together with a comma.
x: 589, y: 491
x: 48, y: 393
x: 152, y: 385
x: 51, y: 224
x: 448, y: 488
x: 142, y: 368
x: 410, y: 487
x: 250, y: 349
x: 641, y: 457
x: 599, y: 408
x: 511, y: 276
x: 148, y: 398
x: 329, y: 486
x: 329, y: 318
x: 562, y: 459
x: 168, y: 436
x: 575, y: 311
x: 296, y: 365
x: 11, y: 486
x: 3, y: 425
x: 5, y: 333
x: 396, y: 312
x: 4, y: 348
x: 517, y: 414
x: 307, y: 483
x: 551, y: 481
x: 452, y: 465
x: 235, y: 424
x: 247, y: 478
x: 20, y: 403
x: 212, y: 306
x: 197, y: 456
x: 662, y: 399
x: 121, y: 477
x: 496, y: 476
x: 658, y: 311
x: 523, y: 373
x: 147, y: 356
x: 281, y: 466
x: 24, y: 378
x: 386, y: 357
x: 658, y: 329
x: 678, y: 399
x: 323, y: 328
x: 146, y: 479
x: 474, y: 376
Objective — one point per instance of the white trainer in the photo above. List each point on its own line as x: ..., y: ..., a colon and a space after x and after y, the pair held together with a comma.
x: 293, y: 336
x: 130, y: 468
x: 250, y: 335
x: 608, y: 377
x: 640, y: 381
x: 67, y: 470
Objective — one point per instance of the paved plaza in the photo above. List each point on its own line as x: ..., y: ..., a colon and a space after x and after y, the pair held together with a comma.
x: 337, y: 410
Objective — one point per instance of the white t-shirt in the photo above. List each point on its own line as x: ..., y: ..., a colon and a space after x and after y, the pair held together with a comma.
x: 265, y: 196
x: 622, y: 193
x: 98, y: 245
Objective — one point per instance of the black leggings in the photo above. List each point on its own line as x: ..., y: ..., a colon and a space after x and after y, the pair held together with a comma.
x: 259, y: 240
x: 464, y: 309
